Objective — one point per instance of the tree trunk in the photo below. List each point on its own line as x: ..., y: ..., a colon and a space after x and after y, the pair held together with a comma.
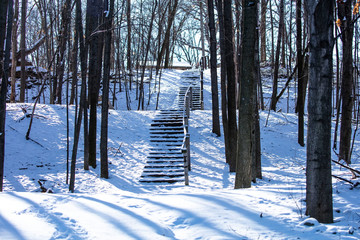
x: 213, y: 63
x: 301, y: 79
x: 83, y: 59
x: 128, y: 54
x: 318, y: 167
x: 231, y: 83
x: 5, y: 12
x: 104, y: 172
x: 202, y: 59
x: 141, y: 96
x: 246, y: 129
x: 263, y: 30
x: 167, y: 35
x: 63, y: 38
x: 224, y: 111
x: 14, y: 47
x: 74, y: 68
x: 22, y: 49
x: 277, y: 57
x: 347, y: 30
x: 94, y: 11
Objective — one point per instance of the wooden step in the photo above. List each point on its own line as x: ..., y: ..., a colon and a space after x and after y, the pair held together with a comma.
x: 163, y: 170
x: 169, y: 157
x: 181, y: 166
x: 161, y: 180
x: 167, y: 132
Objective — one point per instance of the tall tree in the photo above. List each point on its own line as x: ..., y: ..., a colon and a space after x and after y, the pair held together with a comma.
x: 63, y: 40
x: 277, y: 56
x: 22, y: 49
x: 95, y: 35
x: 263, y: 30
x: 109, y: 12
x: 83, y: 59
x: 166, y: 42
x: 147, y: 49
x: 223, y: 83
x: 14, y: 48
x: 128, y: 53
x: 301, y: 79
x: 245, y: 140
x: 213, y: 67
x: 202, y: 60
x: 347, y: 32
x: 6, y: 16
x: 231, y: 83
x: 318, y: 167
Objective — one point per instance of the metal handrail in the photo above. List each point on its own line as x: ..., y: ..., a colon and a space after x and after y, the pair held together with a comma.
x: 185, y: 148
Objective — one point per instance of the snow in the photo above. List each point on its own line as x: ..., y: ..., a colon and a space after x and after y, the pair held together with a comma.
x: 123, y: 208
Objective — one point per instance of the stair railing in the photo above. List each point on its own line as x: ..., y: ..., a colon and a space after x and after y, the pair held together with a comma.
x: 185, y: 149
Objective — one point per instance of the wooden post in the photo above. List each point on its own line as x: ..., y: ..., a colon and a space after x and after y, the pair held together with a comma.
x: 186, y: 167
x: 190, y: 99
x: 187, y: 144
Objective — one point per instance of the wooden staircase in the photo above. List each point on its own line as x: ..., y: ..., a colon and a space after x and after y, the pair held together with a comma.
x: 165, y: 163
x: 166, y: 160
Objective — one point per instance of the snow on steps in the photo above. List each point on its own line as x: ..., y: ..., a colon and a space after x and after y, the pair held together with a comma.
x: 165, y: 163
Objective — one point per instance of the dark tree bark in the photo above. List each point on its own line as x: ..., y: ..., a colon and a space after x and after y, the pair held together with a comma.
x: 22, y: 49
x: 263, y: 30
x: 14, y: 48
x: 224, y: 106
x: 94, y: 14
x: 6, y: 12
x: 128, y: 53
x: 74, y: 67
x: 245, y: 140
x: 104, y: 171
x: 231, y: 83
x: 63, y: 39
x: 301, y: 79
x: 347, y: 32
x: 83, y: 59
x: 213, y: 67
x: 318, y: 167
x: 277, y: 57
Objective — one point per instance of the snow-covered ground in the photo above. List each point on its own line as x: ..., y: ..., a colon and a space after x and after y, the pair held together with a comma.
x: 123, y: 208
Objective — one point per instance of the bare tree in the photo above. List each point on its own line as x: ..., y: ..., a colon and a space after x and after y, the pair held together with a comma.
x: 6, y: 16
x: 172, y: 11
x: 263, y: 30
x: 245, y: 140
x: 347, y: 32
x: 301, y: 77
x: 95, y: 39
x: 277, y: 57
x: 213, y: 67
x: 231, y: 81
x: 14, y: 47
x: 318, y: 167
x: 22, y: 49
x: 109, y: 12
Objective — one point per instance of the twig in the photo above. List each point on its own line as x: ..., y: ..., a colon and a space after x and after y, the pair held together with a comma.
x: 118, y: 150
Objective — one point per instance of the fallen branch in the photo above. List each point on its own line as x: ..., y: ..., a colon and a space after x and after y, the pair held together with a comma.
x: 347, y: 167
x: 345, y: 180
x: 32, y: 49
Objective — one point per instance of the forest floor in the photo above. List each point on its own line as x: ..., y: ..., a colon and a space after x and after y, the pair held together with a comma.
x: 123, y: 208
